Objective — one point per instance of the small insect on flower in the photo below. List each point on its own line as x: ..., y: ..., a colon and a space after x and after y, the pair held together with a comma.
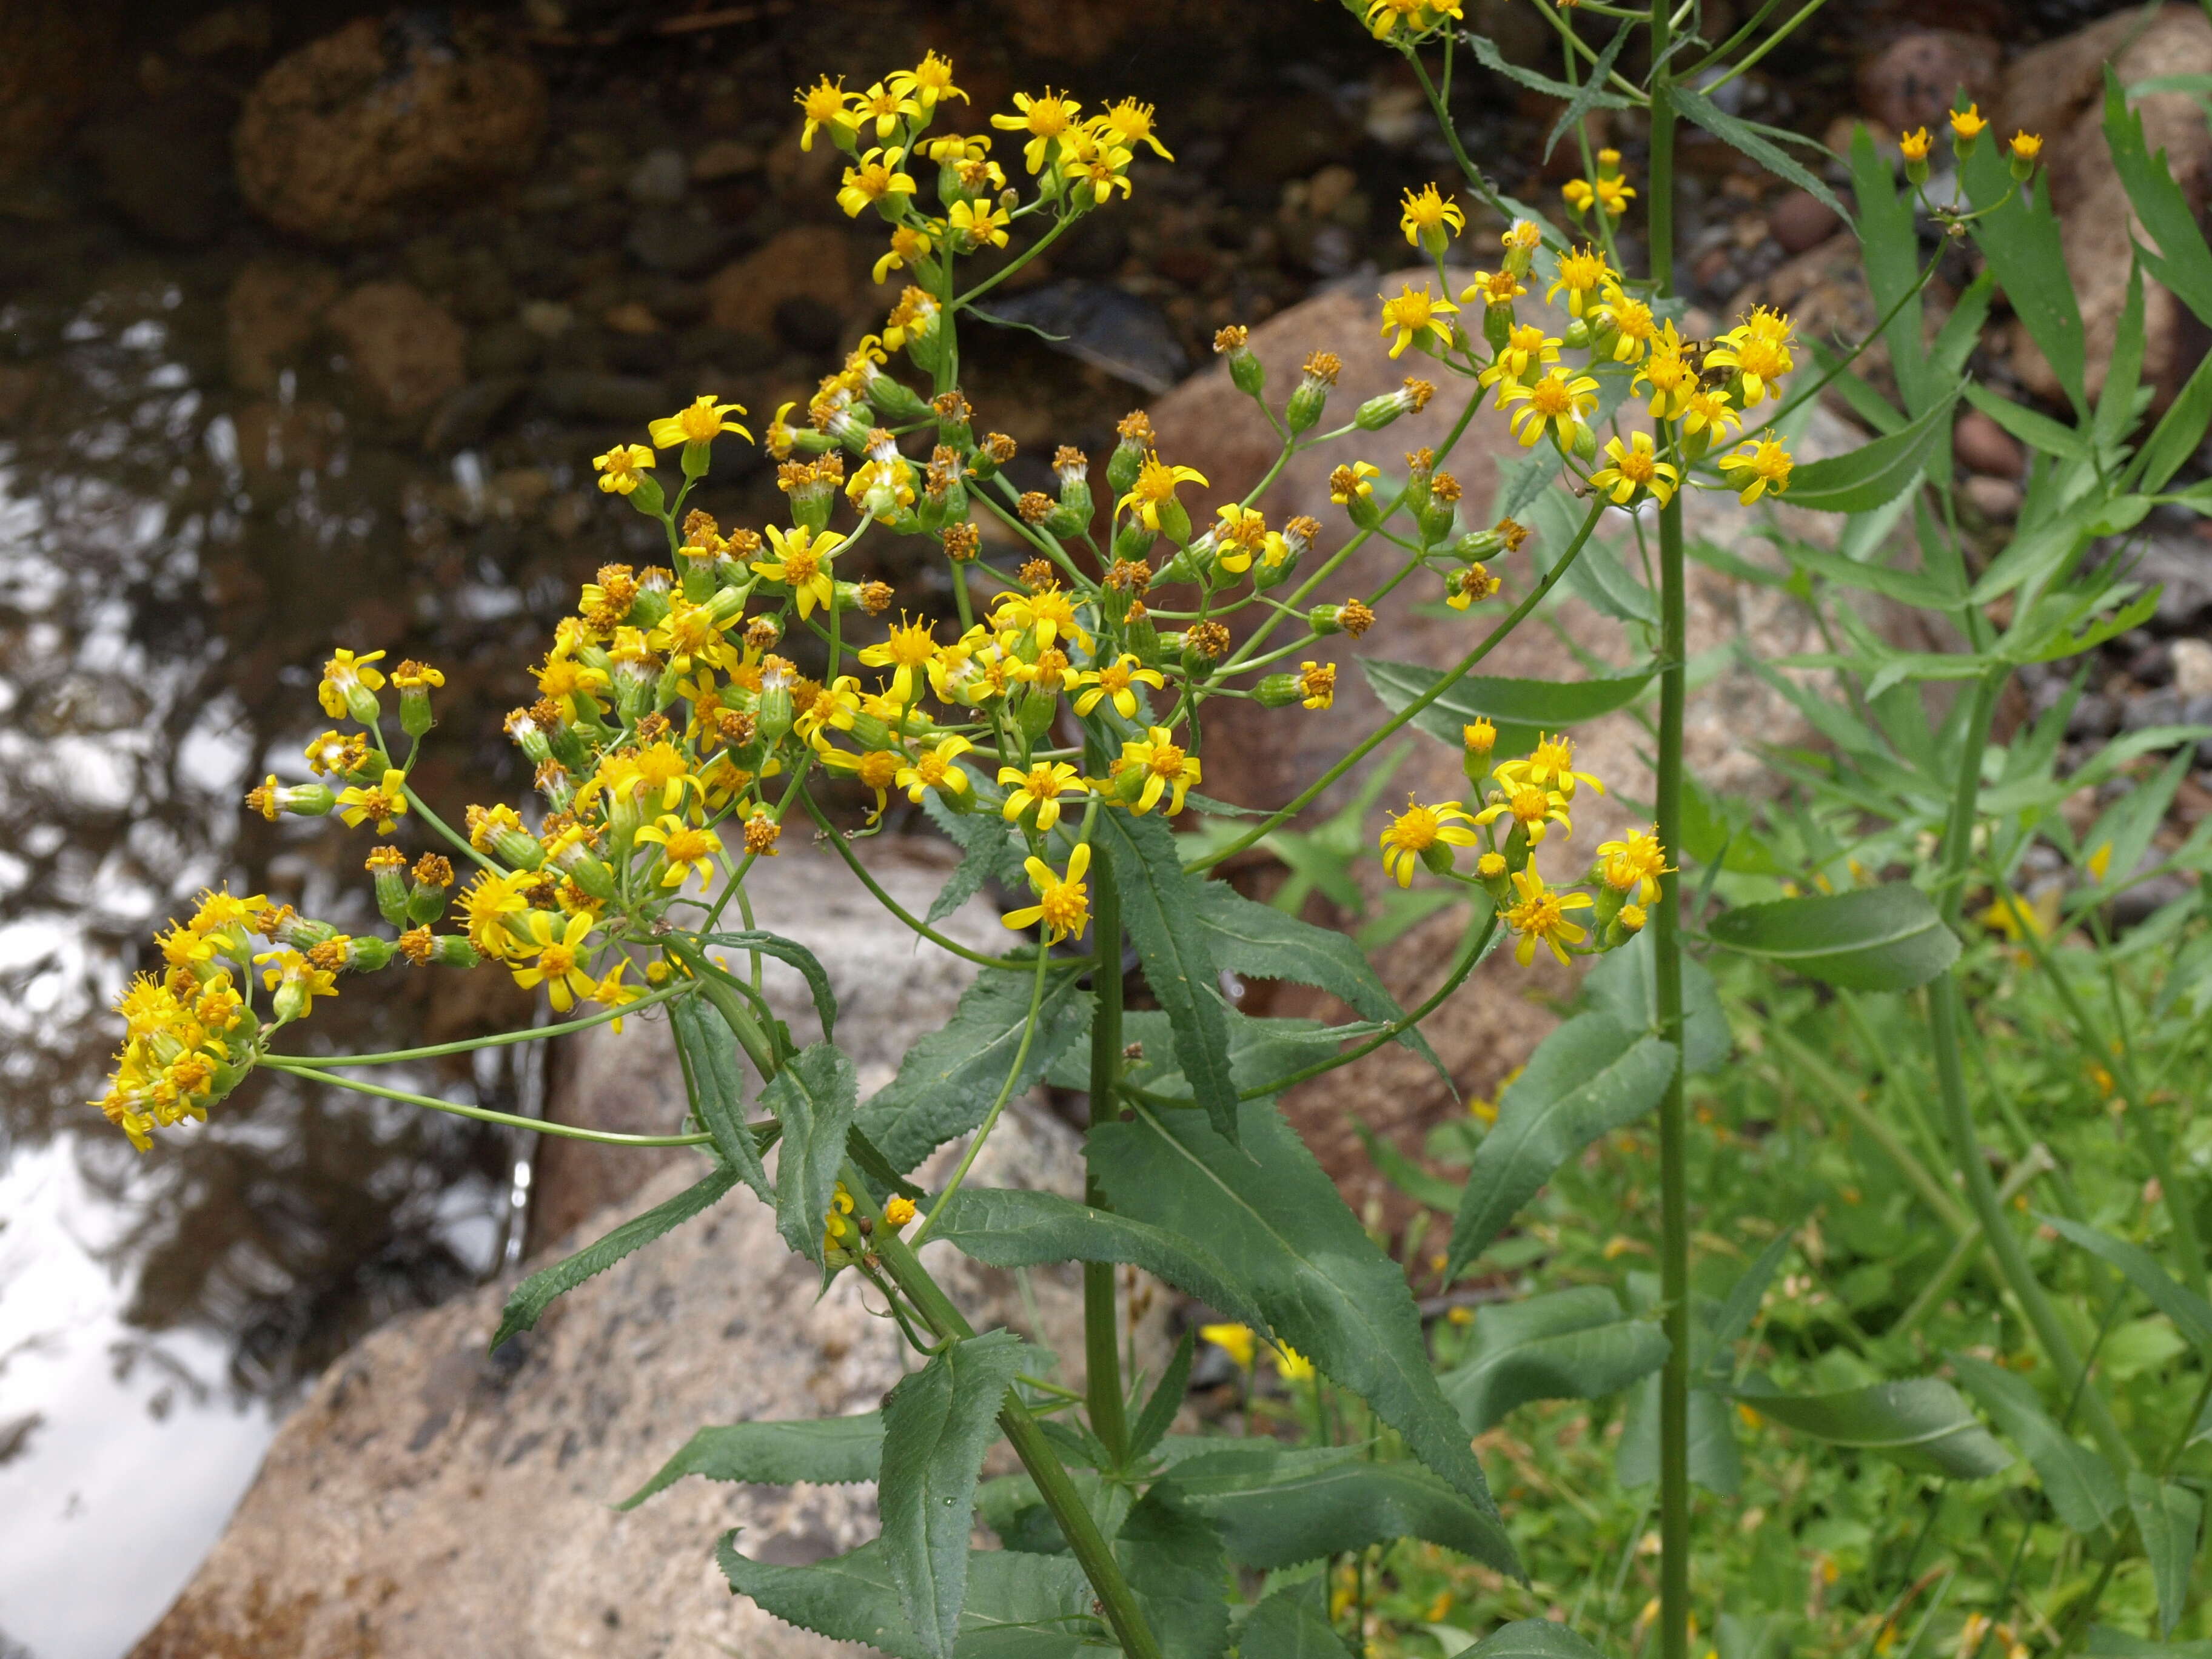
x: 1761, y: 465
x: 1424, y: 835
x: 1063, y: 903
x: 1428, y: 220
x: 1417, y: 316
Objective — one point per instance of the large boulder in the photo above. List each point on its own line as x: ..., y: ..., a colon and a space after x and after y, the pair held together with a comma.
x: 430, y: 1498
x: 55, y: 60
x: 2058, y: 91
x: 341, y: 138
x: 1260, y: 757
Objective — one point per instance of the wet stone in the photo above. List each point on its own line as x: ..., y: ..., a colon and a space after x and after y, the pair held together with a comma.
x: 670, y: 239
x: 624, y: 397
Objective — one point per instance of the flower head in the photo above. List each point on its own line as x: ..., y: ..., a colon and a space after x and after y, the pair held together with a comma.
x: 1130, y: 125
x: 1634, y: 864
x: 686, y: 849
x: 1758, y: 348
x: 1153, y: 766
x: 1063, y: 903
x: 802, y: 564
x: 1155, y: 488
x: 1039, y: 787
x: 1117, y: 683
x: 1046, y: 118
x: 1424, y: 835
x: 1558, y: 400
x: 1760, y: 464
x: 1429, y: 219
x: 821, y: 104
x: 1914, y: 145
x: 1634, y: 468
x: 622, y: 469
x: 1538, y: 915
x: 1581, y: 271
x: 935, y: 769
x: 702, y: 422
x: 557, y: 957
x: 1968, y: 123
x: 1417, y: 316
x: 874, y: 182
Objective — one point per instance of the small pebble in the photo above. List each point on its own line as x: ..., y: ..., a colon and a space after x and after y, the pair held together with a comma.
x: 2192, y: 667
x: 1800, y: 222
x: 660, y: 179
x: 1996, y: 499
x: 1984, y: 447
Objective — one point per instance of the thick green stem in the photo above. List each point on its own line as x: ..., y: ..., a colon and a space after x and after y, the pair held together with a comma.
x: 1667, y: 944
x: 1085, y: 1542
x: 1944, y: 1020
x: 1102, y: 1354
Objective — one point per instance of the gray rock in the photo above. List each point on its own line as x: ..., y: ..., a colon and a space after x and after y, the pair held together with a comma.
x: 598, y: 397
x: 682, y: 244
x: 468, y: 415
x: 1097, y: 323
x: 660, y: 179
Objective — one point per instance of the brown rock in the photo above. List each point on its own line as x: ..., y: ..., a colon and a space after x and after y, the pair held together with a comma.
x: 807, y: 262
x: 408, y: 354
x: 1982, y: 446
x: 1261, y: 757
x: 273, y: 310
x: 2058, y: 91
x: 53, y: 64
x: 1800, y: 220
x: 341, y: 138
x: 1996, y: 499
x: 1911, y: 82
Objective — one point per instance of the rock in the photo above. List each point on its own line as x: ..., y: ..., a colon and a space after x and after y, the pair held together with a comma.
x: 1824, y: 289
x: 724, y: 158
x: 2192, y: 668
x: 680, y: 243
x: 632, y: 317
x: 548, y: 318
x: 506, y: 347
x: 1982, y: 446
x: 163, y: 165
x: 591, y: 394
x: 426, y: 1498
x: 56, y: 58
x: 340, y: 139
x: 1996, y: 499
x: 1800, y: 220
x: 407, y: 353
x: 659, y: 181
x: 1911, y: 82
x: 245, y: 29
x: 2058, y: 91
x: 1258, y: 757
x: 817, y: 262
x: 468, y: 415
x: 805, y: 324
x: 1102, y: 325
x: 273, y: 309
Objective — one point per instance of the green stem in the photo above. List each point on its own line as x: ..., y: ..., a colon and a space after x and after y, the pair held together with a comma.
x: 726, y: 993
x: 484, y: 1114
x: 1006, y: 1093
x: 1450, y: 677
x: 399, y: 1056
x: 1944, y: 1023
x: 1102, y: 1357
x: 1818, y: 1070
x: 1962, y: 1253
x: 1085, y: 1542
x: 1667, y: 943
x: 891, y: 904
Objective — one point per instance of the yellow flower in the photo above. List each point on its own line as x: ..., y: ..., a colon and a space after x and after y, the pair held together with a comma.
x: 1580, y: 273
x: 1557, y: 400
x: 1671, y: 376
x: 1425, y: 217
x: 875, y: 181
x: 934, y: 769
x: 1464, y: 588
x: 1549, y: 765
x: 1540, y: 917
x: 411, y: 675
x: 1316, y: 684
x: 341, y: 674
x: 1492, y: 288
x: 1293, y: 1366
x: 1417, y: 316
x: 1347, y: 482
x: 1130, y: 124
x: 1046, y: 615
x: 1041, y: 787
x: 702, y: 422
x: 1968, y: 123
x: 1115, y: 681
x: 1103, y: 166
x: 1635, y: 863
x: 928, y: 82
x: 386, y: 802
x: 1235, y: 1341
x: 1762, y: 463
x: 621, y: 467
x: 1155, y: 488
x: 1709, y: 410
x: 1914, y: 145
x: 686, y: 849
x: 1528, y: 348
x: 1063, y: 902
x: 486, y: 904
x: 898, y: 1210
x: 1613, y: 196
x: 979, y: 222
x: 802, y: 564
x: 1162, y: 766
x: 886, y: 105
x: 1424, y: 835
x: 2026, y: 145
x: 822, y: 103
x: 907, y: 246
x: 558, y: 965
x: 1635, y: 468
x: 876, y: 771
x: 1243, y: 533
x: 1758, y: 348
x: 1631, y: 320
x: 1414, y: 17
x: 1045, y: 118
x: 1533, y: 808
x: 908, y: 652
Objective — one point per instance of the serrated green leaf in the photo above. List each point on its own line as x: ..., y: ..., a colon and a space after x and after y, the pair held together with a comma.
x: 2168, y: 1514
x: 1588, y: 90
x: 1531, y: 1638
x: 1747, y: 137
x: 1158, y: 1415
x: 1892, y: 252
x: 989, y: 851
x: 1487, y: 51
x: 2190, y: 1313
x: 852, y: 1598
x: 1277, y: 1223
x: 2036, y: 431
x: 1260, y: 942
x: 1283, y: 1626
x: 832, y: 1451
x: 1277, y: 1506
x: 2081, y: 1486
x: 527, y: 1303
x: 938, y: 1422
x: 1160, y: 907
x: 710, y: 1065
x: 2116, y: 400
x: 1014, y: 1227
x: 949, y: 1078
x: 1920, y: 1423
x: 2183, y: 262
x: 1177, y: 1567
x: 813, y: 1098
x: 1590, y: 1076
x: 1877, y: 471
x: 1888, y: 938
x: 1519, y: 708
x: 2021, y: 239
x: 1569, y: 1344
x: 1625, y: 984
x: 790, y: 951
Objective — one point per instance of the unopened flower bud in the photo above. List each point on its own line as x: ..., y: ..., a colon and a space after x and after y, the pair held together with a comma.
x: 1378, y: 412
x: 387, y: 869
x: 1277, y: 691
x: 1129, y: 457
x: 1575, y: 337
x: 1311, y: 396
x: 1246, y: 372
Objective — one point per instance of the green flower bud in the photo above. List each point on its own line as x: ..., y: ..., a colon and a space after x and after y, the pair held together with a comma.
x: 1038, y: 706
x: 454, y: 951
x: 1134, y: 539
x: 1326, y: 619
x: 1576, y: 335
x: 368, y: 953
x: 1277, y: 691
x: 391, y: 887
x: 647, y: 498
x: 1498, y: 325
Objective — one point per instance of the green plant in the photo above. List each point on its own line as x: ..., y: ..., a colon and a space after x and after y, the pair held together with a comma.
x: 667, y: 721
